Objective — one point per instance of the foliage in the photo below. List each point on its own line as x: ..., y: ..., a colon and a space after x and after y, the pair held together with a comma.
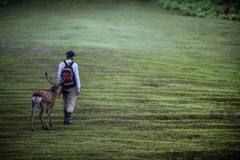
x: 199, y: 8
x: 3, y: 3
x: 6, y: 3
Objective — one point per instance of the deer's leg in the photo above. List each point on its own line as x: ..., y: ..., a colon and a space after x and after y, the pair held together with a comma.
x: 40, y: 116
x: 49, y: 114
x: 49, y: 117
x: 34, y: 108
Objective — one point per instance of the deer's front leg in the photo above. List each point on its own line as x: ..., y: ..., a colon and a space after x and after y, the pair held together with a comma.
x: 49, y: 116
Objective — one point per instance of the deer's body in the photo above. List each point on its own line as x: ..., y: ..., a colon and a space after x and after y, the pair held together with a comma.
x: 45, y: 100
x: 224, y: 9
x: 44, y: 97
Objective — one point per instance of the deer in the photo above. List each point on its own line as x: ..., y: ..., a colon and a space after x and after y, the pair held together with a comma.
x: 224, y: 9
x: 45, y: 100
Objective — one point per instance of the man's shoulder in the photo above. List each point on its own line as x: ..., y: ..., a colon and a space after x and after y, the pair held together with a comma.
x: 61, y: 63
x: 75, y: 64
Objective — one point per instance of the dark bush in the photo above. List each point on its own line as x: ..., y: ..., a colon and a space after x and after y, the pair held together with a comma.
x: 201, y: 8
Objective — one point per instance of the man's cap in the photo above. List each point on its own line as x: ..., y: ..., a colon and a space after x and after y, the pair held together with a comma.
x: 70, y: 54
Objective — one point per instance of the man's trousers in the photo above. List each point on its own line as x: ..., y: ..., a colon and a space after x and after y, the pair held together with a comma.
x: 69, y: 99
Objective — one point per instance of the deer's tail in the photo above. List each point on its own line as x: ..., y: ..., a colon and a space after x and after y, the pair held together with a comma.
x: 36, y: 98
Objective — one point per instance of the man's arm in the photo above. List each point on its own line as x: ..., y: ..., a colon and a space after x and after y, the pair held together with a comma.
x: 59, y: 78
x: 77, y: 78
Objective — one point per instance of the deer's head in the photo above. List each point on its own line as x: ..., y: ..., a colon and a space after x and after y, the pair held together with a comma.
x: 55, y: 87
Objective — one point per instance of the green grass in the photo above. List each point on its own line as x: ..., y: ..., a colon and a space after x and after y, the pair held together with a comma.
x: 155, y: 84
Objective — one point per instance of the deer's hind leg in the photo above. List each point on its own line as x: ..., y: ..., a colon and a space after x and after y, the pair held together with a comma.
x: 40, y: 116
x: 34, y: 108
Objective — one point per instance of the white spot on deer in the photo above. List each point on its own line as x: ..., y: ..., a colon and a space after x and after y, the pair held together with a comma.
x: 33, y: 98
x: 38, y: 100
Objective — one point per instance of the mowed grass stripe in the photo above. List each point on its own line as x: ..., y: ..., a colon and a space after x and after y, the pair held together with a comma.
x: 154, y: 84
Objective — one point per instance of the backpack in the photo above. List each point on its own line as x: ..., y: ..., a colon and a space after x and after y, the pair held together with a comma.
x: 70, y: 76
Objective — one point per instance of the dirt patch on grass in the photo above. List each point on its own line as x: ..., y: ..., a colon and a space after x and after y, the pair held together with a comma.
x: 24, y: 52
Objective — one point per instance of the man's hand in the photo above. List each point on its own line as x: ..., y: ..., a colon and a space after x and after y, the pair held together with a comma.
x: 77, y: 93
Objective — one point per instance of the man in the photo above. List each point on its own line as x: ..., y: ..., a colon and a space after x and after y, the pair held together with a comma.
x: 70, y: 91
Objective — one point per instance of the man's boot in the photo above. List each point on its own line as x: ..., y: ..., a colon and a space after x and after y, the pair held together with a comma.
x: 65, y: 115
x: 67, y: 118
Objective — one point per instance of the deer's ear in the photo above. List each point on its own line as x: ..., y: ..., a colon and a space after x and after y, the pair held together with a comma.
x: 52, y: 89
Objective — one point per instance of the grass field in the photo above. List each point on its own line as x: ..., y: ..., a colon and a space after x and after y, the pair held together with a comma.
x: 155, y: 84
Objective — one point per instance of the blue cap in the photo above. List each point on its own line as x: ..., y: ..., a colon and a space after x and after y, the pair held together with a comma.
x: 70, y: 54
